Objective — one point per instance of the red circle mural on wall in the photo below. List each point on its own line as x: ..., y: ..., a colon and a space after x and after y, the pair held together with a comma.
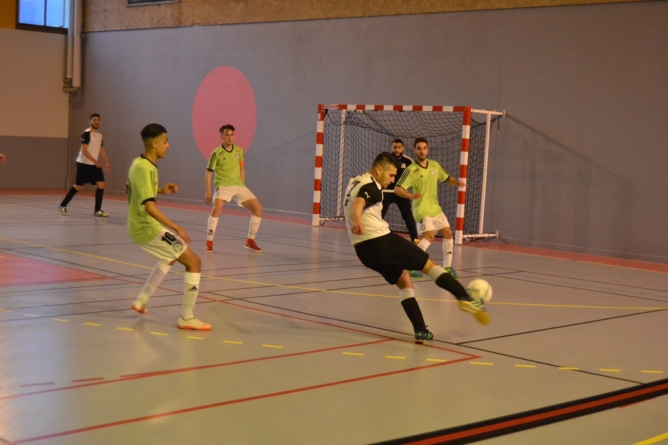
x: 225, y: 96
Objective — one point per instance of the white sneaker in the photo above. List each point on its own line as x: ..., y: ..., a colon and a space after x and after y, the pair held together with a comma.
x: 139, y: 307
x: 193, y: 324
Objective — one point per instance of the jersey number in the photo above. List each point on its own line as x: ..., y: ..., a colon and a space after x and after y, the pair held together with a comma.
x: 169, y: 238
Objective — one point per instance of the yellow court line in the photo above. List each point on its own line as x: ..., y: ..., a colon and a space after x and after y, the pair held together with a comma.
x: 395, y: 357
x: 120, y: 328
x: 436, y: 360
x: 158, y: 333
x: 481, y: 363
x: 565, y: 368
x: 272, y: 346
x: 233, y: 342
x: 525, y: 366
x: 92, y: 324
x: 62, y: 319
x: 4, y: 310
x: 609, y: 370
x: 651, y: 372
x: 652, y: 440
x: 196, y: 338
x: 341, y: 292
x: 352, y: 353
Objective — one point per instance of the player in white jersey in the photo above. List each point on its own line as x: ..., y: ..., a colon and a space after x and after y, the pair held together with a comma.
x: 89, y: 169
x: 391, y: 255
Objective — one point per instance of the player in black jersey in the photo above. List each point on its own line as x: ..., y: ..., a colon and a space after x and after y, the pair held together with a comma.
x: 402, y: 161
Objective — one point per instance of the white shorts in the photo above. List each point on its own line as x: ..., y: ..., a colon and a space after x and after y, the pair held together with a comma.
x: 431, y: 224
x: 166, y: 246
x: 238, y: 193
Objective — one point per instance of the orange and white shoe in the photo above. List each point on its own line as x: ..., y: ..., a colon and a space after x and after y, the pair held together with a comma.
x: 139, y: 307
x: 209, y: 247
x: 250, y: 244
x: 193, y: 324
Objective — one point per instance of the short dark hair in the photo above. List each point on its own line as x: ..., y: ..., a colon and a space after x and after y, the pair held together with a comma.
x: 418, y: 140
x: 397, y: 141
x: 94, y: 115
x: 152, y: 131
x: 384, y: 159
x: 226, y: 127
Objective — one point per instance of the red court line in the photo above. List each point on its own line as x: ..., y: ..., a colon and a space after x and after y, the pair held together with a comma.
x: 94, y: 379
x: 232, y: 402
x: 195, y: 368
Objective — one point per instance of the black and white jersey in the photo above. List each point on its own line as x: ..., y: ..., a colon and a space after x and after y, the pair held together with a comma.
x: 94, y: 141
x: 364, y: 186
x: 402, y: 162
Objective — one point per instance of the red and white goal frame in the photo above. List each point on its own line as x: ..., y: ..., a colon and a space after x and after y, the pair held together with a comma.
x: 463, y: 160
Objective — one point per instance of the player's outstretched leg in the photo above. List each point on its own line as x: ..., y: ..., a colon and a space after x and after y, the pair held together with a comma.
x: 213, y: 223
x: 99, y: 193
x: 256, y: 209
x: 412, y: 309
x: 157, y: 275
x: 70, y: 194
x: 191, y: 280
x: 466, y: 303
x: 448, y: 246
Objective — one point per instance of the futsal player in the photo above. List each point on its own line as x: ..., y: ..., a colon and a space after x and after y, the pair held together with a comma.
x: 423, y: 177
x: 145, y: 226
x: 227, y: 162
x: 389, y: 254
x: 89, y: 168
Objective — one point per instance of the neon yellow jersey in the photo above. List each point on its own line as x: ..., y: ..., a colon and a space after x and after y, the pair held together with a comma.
x: 142, y: 186
x: 227, y: 166
x: 424, y: 180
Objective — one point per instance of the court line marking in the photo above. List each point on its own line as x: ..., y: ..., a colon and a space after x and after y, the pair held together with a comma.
x: 232, y: 402
x: 481, y: 363
x: 609, y: 370
x: 525, y: 366
x: 158, y: 333
x: 196, y: 338
x: 233, y: 342
x: 272, y: 346
x: 651, y: 372
x: 62, y: 320
x: 352, y: 353
x: 397, y: 357
x: 652, y: 440
x: 566, y: 368
x: 287, y: 286
x: 93, y: 324
x: 121, y: 328
x: 436, y: 360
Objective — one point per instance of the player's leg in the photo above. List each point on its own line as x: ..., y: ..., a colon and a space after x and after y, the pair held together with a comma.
x: 191, y: 281
x: 412, y: 308
x: 441, y: 223
x: 248, y: 200
x: 443, y: 280
x: 388, y: 198
x: 212, y: 223
x: 154, y: 279
x: 78, y: 184
x: 407, y: 215
x: 99, y: 193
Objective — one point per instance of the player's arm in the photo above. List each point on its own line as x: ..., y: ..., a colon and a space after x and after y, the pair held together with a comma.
x: 103, y: 153
x: 243, y: 171
x: 403, y: 193
x: 455, y: 182
x: 153, y: 210
x: 207, y: 184
x: 84, y: 150
x: 357, y: 209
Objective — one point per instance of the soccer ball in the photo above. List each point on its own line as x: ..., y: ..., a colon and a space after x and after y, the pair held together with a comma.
x: 480, y: 290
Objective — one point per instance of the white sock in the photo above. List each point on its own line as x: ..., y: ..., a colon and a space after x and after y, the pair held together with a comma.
x: 154, y: 280
x: 406, y: 293
x: 190, y: 290
x: 424, y: 244
x: 435, y: 272
x: 253, y: 226
x: 447, y: 252
x: 211, y: 228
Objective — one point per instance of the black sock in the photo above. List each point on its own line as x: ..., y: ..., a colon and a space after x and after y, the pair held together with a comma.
x: 98, y: 199
x: 414, y: 314
x: 445, y: 281
x: 73, y: 191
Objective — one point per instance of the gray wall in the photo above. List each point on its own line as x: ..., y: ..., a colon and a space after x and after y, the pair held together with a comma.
x: 33, y: 163
x: 577, y: 164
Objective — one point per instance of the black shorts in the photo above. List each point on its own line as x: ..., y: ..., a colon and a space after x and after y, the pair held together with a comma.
x: 88, y: 174
x: 390, y: 255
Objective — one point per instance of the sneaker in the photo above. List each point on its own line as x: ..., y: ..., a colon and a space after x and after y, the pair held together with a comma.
x: 101, y: 214
x: 250, y: 244
x: 139, y: 307
x: 476, y: 309
x: 193, y: 324
x: 209, y: 247
x: 452, y: 272
x: 63, y: 210
x: 422, y: 336
x: 415, y: 274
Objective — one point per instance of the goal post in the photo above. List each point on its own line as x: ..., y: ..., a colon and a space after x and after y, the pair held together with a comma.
x: 348, y: 138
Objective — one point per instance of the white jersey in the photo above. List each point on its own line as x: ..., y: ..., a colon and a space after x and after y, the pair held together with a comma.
x: 366, y: 187
x: 94, y: 141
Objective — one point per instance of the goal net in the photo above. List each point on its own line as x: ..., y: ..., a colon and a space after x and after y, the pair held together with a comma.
x: 350, y: 136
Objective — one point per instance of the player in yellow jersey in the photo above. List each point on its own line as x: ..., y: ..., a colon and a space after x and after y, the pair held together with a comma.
x: 227, y: 162
x: 423, y: 177
x: 145, y: 226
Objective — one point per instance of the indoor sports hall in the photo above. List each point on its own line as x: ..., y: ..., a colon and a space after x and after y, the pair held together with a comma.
x: 550, y: 112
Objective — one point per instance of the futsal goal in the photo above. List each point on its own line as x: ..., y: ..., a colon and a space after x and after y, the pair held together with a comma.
x: 349, y: 137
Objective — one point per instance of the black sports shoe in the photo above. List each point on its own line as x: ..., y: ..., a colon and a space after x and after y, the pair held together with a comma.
x: 422, y: 336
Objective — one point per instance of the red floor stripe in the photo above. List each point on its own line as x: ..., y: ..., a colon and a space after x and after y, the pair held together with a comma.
x: 95, y: 379
x: 232, y: 402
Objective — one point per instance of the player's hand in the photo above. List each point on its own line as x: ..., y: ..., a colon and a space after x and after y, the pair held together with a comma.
x: 417, y: 195
x: 170, y: 188
x: 2, y: 158
x: 180, y: 231
x: 98, y: 164
x: 358, y: 229
x: 108, y: 168
x: 459, y: 183
x: 207, y: 198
